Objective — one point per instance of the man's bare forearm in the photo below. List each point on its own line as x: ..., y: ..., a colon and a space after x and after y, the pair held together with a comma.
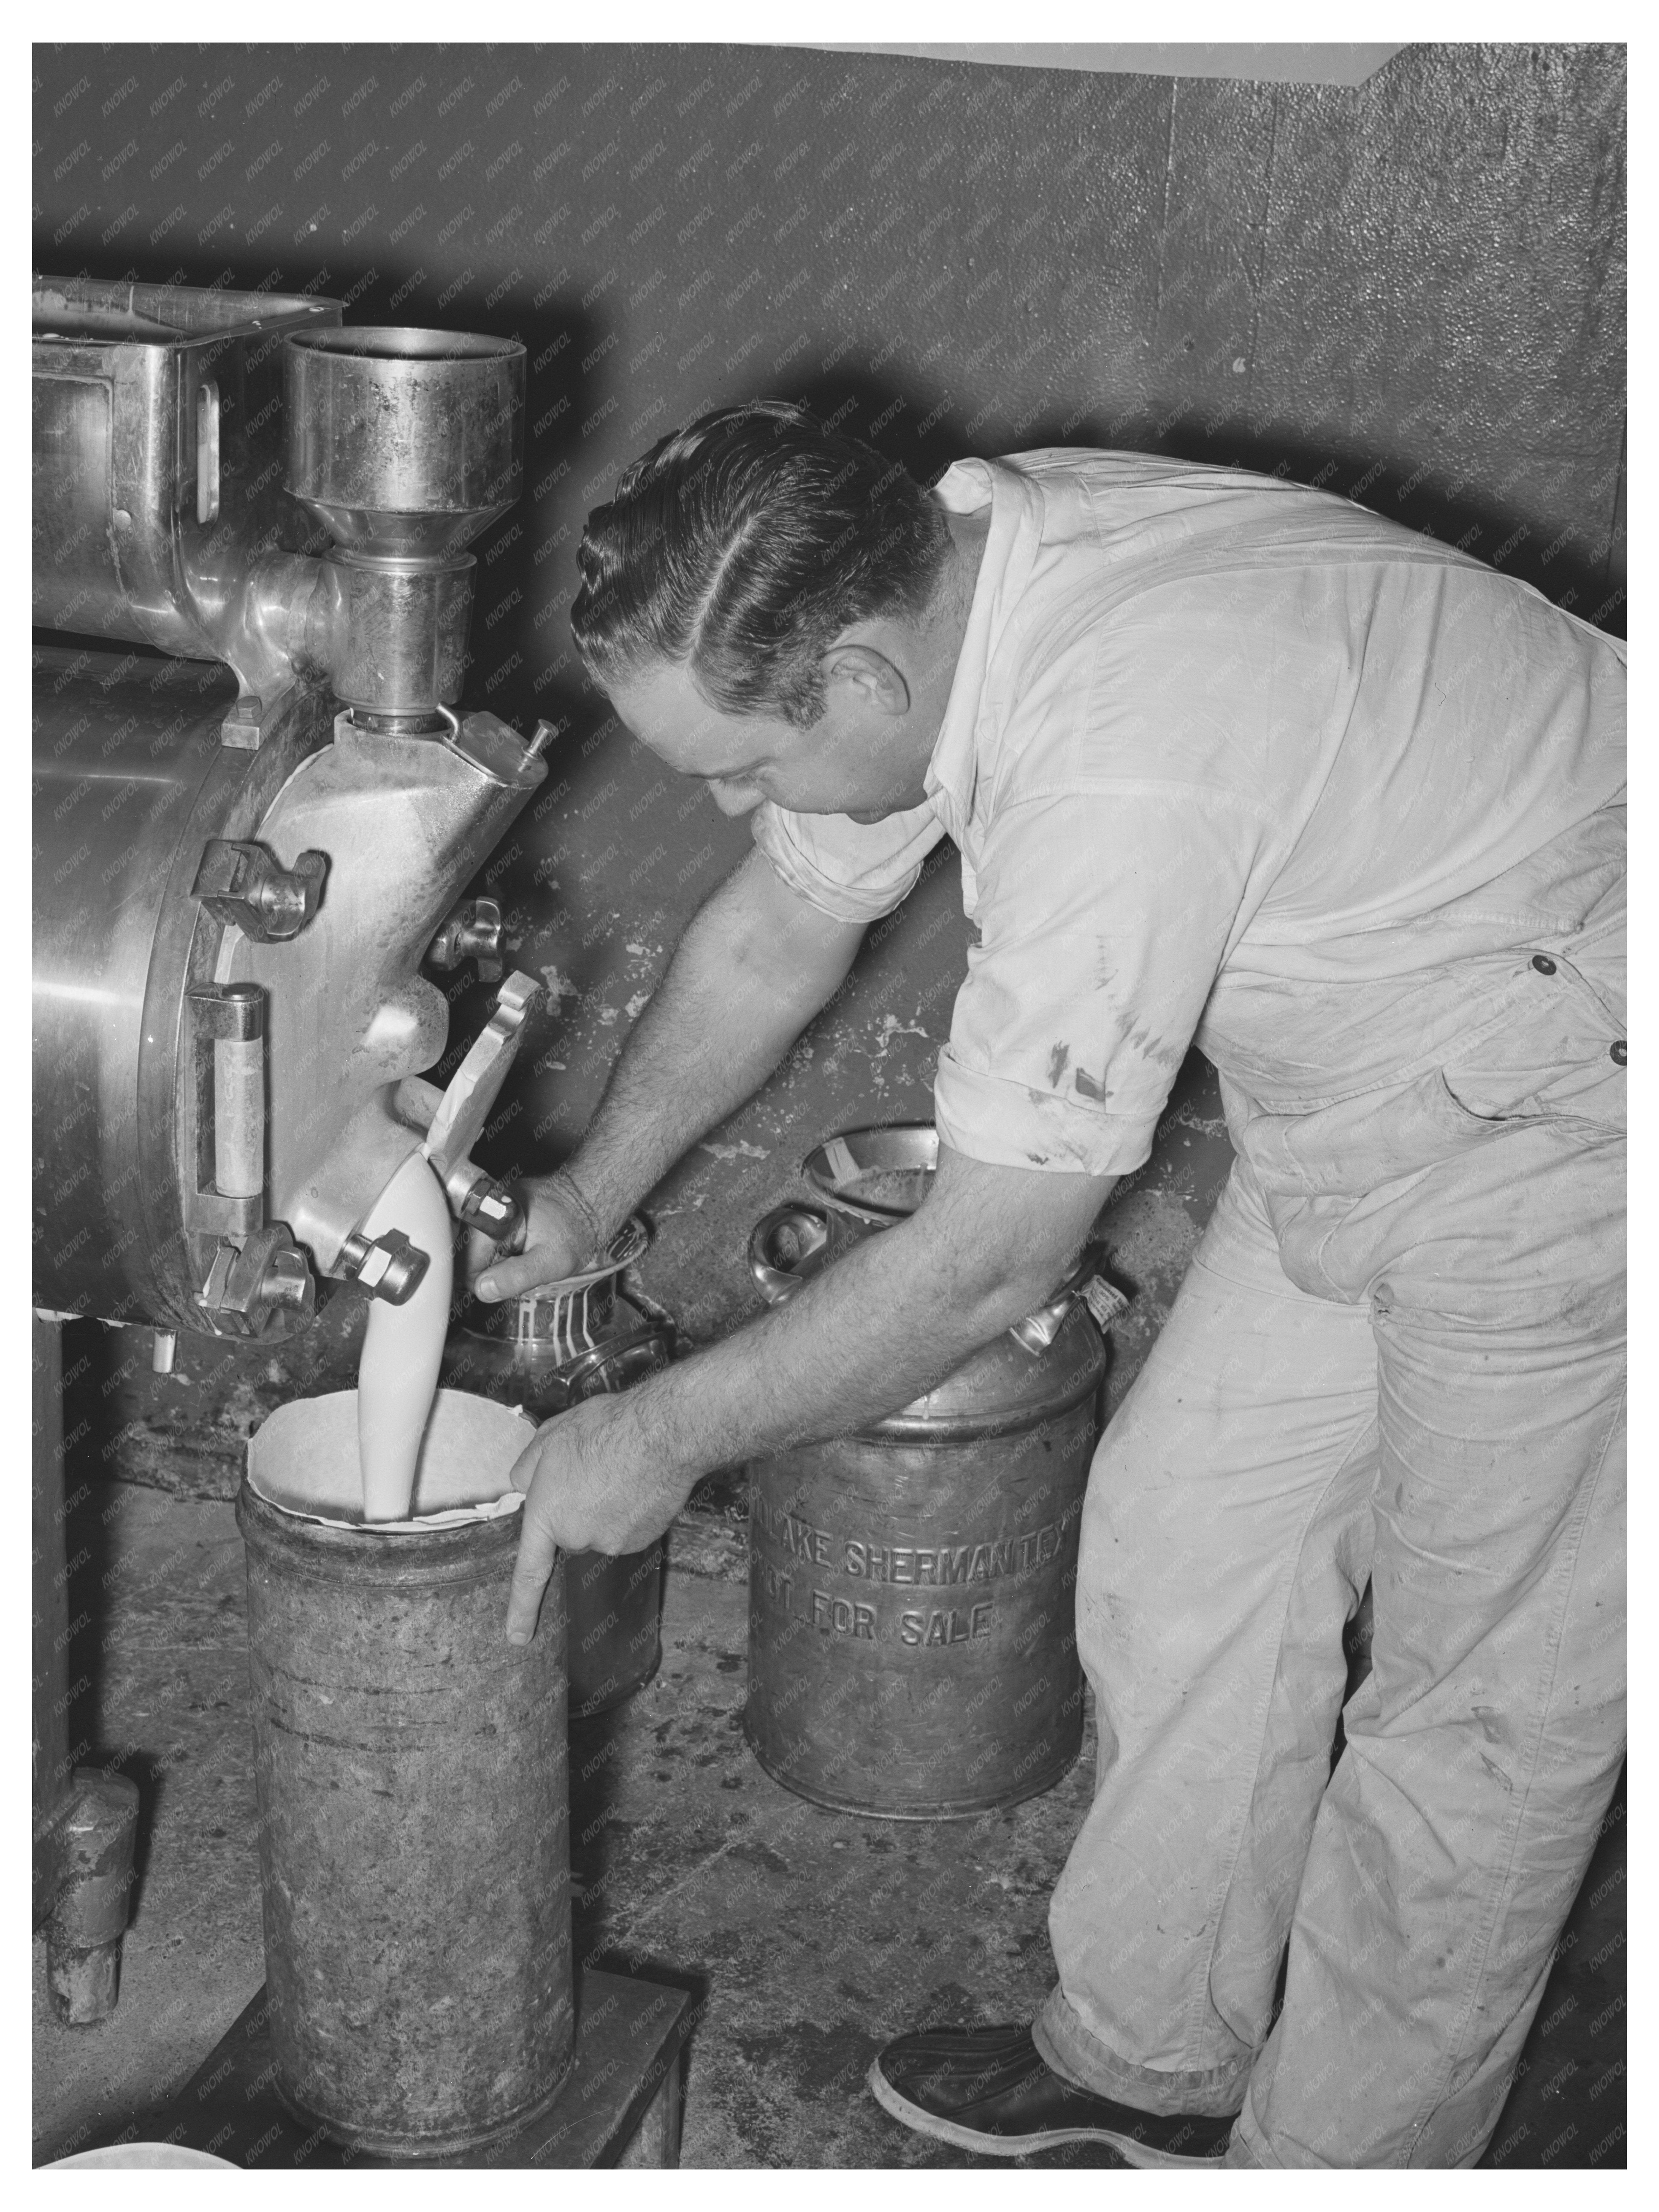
x: 754, y: 966
x: 884, y: 1324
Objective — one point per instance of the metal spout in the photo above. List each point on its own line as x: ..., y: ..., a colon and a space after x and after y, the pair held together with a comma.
x: 405, y: 821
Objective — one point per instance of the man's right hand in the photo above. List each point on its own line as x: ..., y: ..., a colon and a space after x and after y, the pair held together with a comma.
x: 756, y: 962
x: 558, y: 1243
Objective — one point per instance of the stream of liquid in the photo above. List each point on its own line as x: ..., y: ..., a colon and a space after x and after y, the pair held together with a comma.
x: 403, y: 1345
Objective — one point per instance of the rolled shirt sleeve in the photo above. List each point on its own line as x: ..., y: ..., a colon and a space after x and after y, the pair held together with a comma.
x: 852, y: 870
x: 1104, y: 918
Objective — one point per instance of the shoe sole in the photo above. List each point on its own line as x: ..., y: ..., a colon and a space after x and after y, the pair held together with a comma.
x: 1134, y: 2152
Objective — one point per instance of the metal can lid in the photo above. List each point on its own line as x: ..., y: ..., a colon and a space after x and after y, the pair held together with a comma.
x: 878, y: 1174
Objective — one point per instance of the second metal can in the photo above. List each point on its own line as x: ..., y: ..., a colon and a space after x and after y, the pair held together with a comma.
x: 911, y: 1634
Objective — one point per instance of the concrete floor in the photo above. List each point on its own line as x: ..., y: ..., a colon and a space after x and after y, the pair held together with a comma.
x: 812, y: 1936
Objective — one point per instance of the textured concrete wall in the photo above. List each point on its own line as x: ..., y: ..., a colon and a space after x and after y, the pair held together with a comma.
x: 1411, y: 292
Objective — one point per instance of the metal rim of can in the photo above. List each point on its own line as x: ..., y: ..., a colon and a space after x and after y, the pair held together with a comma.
x: 908, y: 1427
x: 407, y: 1557
x: 835, y: 1168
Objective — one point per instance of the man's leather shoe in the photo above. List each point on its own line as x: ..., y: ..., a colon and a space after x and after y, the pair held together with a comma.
x: 988, y: 2089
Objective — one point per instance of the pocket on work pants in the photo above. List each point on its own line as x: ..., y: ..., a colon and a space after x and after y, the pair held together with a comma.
x: 1323, y: 1174
x: 1334, y: 1179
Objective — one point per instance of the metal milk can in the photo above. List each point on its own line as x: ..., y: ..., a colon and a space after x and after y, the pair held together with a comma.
x: 412, y: 1772
x: 912, y: 1638
x: 544, y: 1352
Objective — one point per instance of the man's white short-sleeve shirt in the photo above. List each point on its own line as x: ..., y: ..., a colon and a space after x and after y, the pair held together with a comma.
x: 1231, y: 760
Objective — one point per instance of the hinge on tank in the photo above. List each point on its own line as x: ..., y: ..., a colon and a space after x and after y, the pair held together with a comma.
x: 249, y: 1269
x: 233, y: 1013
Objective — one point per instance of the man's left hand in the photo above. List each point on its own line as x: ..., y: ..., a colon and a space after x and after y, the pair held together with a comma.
x: 591, y: 1484
x: 893, y: 1314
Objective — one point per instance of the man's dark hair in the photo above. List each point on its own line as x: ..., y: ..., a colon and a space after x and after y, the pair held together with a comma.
x: 741, y: 546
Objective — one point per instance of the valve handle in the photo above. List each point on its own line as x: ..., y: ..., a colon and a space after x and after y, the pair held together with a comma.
x: 470, y: 931
x: 476, y: 1083
x: 479, y: 1201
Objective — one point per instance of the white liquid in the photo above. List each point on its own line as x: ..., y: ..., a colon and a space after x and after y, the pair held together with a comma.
x: 403, y: 1345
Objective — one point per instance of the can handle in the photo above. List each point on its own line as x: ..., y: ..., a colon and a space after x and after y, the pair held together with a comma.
x: 807, y: 1228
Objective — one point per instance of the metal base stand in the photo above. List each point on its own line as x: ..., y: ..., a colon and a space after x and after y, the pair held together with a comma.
x: 618, y: 2105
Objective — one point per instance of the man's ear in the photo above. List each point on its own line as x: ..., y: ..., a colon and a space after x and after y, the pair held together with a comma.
x: 872, y: 674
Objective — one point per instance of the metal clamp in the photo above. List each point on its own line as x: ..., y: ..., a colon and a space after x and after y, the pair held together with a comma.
x: 245, y: 1286
x: 240, y: 882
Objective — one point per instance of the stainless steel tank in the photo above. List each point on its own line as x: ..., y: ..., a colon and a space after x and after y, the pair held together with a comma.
x: 251, y: 823
x: 250, y: 832
x: 130, y: 783
x: 159, y: 434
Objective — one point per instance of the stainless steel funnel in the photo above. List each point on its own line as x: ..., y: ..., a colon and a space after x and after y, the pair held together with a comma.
x: 403, y: 442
